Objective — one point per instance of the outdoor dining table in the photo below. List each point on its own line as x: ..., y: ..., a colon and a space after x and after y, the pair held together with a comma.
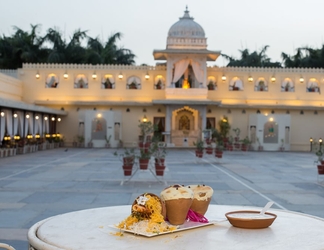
x: 90, y: 229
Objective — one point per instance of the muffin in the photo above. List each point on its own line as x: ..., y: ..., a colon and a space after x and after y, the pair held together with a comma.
x: 201, y: 199
x: 178, y: 200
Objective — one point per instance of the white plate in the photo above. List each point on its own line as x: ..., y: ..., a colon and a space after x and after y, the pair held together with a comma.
x: 185, y: 226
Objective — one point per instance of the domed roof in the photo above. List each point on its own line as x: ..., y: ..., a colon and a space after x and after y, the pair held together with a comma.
x: 186, y: 34
x: 186, y: 27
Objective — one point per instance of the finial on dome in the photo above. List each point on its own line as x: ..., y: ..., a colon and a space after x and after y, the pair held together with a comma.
x: 186, y: 13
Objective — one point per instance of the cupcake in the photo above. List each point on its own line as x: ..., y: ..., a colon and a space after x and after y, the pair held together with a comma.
x: 202, y: 197
x: 178, y: 200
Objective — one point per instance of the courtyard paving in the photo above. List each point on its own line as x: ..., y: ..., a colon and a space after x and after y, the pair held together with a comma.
x: 47, y: 183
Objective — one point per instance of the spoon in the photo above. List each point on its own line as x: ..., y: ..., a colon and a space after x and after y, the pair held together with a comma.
x: 266, y: 207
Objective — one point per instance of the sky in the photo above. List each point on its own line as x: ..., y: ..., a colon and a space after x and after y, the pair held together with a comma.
x: 229, y: 25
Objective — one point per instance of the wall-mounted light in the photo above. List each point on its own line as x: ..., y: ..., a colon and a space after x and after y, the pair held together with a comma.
x: 209, y: 111
x: 15, y: 115
x: 37, y: 75
x: 2, y: 113
x: 272, y: 111
x: 7, y: 138
x: 147, y: 76
x: 301, y: 79
x: 36, y: 117
x: 258, y: 112
x: 271, y: 119
x: 127, y: 110
x: 229, y: 111
x: 223, y: 78
x: 120, y: 76
x: 59, y: 119
x: 77, y: 109
x: 273, y: 79
x: 29, y: 136
x: 144, y: 110
x: 53, y: 118
x: 37, y: 136
x: 58, y: 135
x: 243, y: 111
x: 159, y: 110
x: 62, y: 108
x: 17, y: 137
x: 287, y: 112
x: 301, y: 112
x: 65, y: 75
x: 94, y: 108
x: 27, y: 116
x: 144, y: 119
x: 45, y: 118
x: 94, y: 76
x: 250, y: 79
x: 99, y: 115
x: 47, y: 135
x: 53, y: 135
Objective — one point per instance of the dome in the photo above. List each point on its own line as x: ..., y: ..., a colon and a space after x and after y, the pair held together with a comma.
x: 186, y: 34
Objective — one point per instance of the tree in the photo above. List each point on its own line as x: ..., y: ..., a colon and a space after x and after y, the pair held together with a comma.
x: 254, y: 59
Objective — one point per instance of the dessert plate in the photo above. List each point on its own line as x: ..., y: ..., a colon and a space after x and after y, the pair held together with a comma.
x: 250, y: 219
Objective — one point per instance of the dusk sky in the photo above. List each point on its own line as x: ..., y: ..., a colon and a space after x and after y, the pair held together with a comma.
x: 230, y: 25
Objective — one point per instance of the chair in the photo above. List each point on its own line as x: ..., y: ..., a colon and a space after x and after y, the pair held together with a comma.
x: 6, y: 246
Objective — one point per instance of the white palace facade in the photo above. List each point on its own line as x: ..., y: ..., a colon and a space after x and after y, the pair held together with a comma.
x: 181, y: 94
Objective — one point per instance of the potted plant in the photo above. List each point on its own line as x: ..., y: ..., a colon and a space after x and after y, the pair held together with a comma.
x: 230, y: 146
x: 211, y: 85
x: 199, y: 148
x: 147, y: 128
x: 260, y: 147
x: 107, y: 141
x: 237, y: 132
x: 224, y: 128
x: 158, y: 150
x: 219, y: 149
x: 282, y: 146
x: 245, y: 144
x: 80, y: 140
x: 128, y: 158
x: 133, y: 85
x: 144, y: 159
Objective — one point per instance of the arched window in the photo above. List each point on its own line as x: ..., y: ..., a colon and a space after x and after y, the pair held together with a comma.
x: 287, y: 85
x: 236, y: 84
x: 52, y: 81
x: 81, y: 82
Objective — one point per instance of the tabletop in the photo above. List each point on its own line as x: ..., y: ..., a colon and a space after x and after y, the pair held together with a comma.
x: 89, y: 229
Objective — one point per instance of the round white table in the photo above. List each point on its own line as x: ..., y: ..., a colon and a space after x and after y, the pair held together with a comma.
x: 89, y: 229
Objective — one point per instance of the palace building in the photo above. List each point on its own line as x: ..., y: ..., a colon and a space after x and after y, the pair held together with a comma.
x: 272, y: 106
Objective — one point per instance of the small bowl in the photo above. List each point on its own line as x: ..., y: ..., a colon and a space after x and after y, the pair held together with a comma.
x: 250, y: 219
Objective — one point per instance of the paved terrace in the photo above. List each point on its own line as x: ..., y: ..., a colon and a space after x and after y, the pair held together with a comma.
x: 47, y: 183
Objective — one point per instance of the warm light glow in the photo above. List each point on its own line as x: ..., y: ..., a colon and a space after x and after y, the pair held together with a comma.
x: 53, y: 118
x: 301, y: 79
x: 27, y: 116
x: 99, y: 115
x: 120, y: 76
x: 29, y: 136
x: 320, y: 140
x: 250, y: 79
x: 273, y: 79
x: 65, y: 75
x: 36, y: 117
x: 224, y: 120
x: 271, y: 119
x: 54, y: 135
x: 45, y: 118
x: 59, y: 119
x: 223, y: 78
x: 58, y: 134
x: 266, y: 114
x: 2, y: 113
x: 147, y: 76
x: 185, y: 84
x: 47, y: 135
x: 37, y: 75
x: 311, y: 139
x: 37, y: 136
x: 15, y: 115
x: 17, y: 137
x: 144, y: 118
x: 94, y: 76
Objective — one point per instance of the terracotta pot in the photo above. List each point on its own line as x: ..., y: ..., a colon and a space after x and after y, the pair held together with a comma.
x: 320, y: 169
x: 219, y: 154
x: 128, y: 169
x: 159, y: 169
x: 160, y: 160
x: 199, y: 153
x: 209, y: 150
x: 128, y: 160
x: 230, y: 147
x: 143, y: 163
